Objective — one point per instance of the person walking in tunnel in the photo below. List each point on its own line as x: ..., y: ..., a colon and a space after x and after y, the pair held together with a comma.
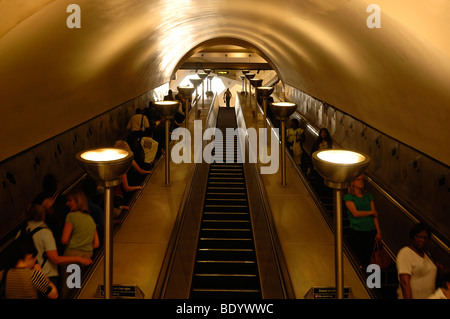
x: 364, y: 224
x: 227, y: 97
x: 417, y: 273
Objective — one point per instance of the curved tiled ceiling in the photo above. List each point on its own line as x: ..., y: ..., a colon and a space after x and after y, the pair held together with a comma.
x: 394, y: 78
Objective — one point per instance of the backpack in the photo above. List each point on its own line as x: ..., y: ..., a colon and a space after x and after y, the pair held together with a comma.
x: 26, y: 232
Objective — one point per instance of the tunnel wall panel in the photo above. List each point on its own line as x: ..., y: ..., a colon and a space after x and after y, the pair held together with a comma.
x: 21, y: 175
x: 420, y: 183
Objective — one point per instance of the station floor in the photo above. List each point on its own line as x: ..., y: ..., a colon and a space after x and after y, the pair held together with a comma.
x: 307, y: 242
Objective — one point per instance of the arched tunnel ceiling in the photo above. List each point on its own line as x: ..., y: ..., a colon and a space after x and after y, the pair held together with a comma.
x: 394, y: 78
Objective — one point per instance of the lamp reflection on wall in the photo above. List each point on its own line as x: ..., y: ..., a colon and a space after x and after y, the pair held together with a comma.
x: 106, y: 165
x: 339, y: 168
x: 167, y: 110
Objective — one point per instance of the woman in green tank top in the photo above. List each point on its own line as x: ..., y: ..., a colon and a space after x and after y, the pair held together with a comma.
x: 364, y: 224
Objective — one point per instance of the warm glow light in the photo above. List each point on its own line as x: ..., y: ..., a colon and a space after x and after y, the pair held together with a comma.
x: 104, y: 154
x: 283, y: 104
x: 341, y: 157
x: 165, y: 102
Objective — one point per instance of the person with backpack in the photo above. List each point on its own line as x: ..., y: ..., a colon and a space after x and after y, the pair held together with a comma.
x: 24, y: 278
x: 44, y: 241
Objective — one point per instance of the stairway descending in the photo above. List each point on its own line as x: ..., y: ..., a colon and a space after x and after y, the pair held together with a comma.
x: 225, y: 264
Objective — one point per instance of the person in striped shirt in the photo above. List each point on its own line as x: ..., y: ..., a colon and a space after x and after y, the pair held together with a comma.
x: 25, y: 279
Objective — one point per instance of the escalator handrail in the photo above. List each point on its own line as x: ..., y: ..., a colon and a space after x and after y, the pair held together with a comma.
x: 172, y: 246
x: 283, y: 273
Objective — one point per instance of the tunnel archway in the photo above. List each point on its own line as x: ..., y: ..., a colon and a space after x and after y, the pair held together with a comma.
x: 227, y: 41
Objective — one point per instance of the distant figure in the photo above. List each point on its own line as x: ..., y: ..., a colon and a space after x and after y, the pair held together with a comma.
x: 227, y: 97
x: 294, y: 140
x: 138, y: 123
x: 169, y: 96
x: 322, y: 142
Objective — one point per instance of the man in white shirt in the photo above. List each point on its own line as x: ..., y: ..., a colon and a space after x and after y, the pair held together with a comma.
x: 138, y: 122
x: 150, y: 147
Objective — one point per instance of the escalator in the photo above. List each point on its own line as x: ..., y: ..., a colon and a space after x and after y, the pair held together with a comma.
x: 389, y: 279
x: 225, y: 262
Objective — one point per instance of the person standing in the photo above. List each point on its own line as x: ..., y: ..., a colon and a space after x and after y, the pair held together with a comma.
x: 138, y: 123
x: 364, y: 225
x: 416, y: 271
x: 227, y: 97
x: 79, y: 233
x: 44, y: 241
x: 25, y: 279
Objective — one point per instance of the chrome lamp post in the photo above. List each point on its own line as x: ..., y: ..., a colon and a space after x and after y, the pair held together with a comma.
x: 282, y: 111
x: 255, y: 83
x: 265, y: 92
x: 338, y: 168
x: 186, y: 91
x: 242, y: 77
x: 196, y: 83
x: 250, y: 76
x: 245, y: 80
x: 106, y: 165
x: 210, y: 77
x: 167, y: 110
x: 202, y: 76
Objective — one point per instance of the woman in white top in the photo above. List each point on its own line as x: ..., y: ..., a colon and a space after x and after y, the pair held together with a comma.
x: 416, y: 272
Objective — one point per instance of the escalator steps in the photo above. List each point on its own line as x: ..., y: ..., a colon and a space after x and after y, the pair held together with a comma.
x: 225, y: 265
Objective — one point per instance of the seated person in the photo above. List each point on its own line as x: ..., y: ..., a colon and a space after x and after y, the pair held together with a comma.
x: 150, y: 147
